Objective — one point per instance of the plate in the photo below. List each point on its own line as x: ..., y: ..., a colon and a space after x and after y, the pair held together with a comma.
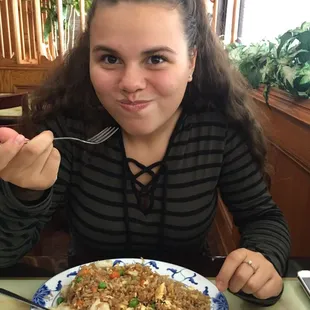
x: 48, y: 293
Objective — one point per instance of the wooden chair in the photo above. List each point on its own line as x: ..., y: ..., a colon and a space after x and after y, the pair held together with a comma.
x: 9, y: 101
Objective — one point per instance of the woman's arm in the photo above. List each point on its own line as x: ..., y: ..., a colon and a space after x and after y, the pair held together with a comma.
x: 264, y: 232
x: 23, y: 214
x: 244, y: 192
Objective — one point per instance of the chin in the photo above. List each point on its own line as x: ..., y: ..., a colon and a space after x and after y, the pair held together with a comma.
x: 139, y: 130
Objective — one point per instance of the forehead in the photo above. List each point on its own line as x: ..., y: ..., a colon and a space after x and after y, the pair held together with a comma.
x: 134, y: 24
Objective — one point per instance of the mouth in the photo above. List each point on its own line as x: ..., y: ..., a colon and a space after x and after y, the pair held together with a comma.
x: 134, y: 106
x: 137, y: 102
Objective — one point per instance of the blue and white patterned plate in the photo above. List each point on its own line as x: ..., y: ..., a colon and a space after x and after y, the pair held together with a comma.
x: 48, y: 293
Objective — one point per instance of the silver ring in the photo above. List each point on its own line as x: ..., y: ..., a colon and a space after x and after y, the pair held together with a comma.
x: 250, y: 263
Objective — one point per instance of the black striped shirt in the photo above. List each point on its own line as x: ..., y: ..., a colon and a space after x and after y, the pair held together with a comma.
x: 106, y: 215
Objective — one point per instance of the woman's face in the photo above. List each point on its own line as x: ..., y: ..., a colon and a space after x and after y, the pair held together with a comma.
x: 139, y: 64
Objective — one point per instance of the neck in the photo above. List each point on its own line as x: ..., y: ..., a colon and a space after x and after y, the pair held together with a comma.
x: 156, y: 136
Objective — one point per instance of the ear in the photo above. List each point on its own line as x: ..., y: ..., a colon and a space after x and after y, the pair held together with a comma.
x: 192, y: 62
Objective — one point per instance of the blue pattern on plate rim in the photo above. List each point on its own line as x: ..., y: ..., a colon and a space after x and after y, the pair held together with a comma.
x: 47, y: 296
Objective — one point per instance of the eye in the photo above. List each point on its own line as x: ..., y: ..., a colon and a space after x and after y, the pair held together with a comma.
x: 109, y: 59
x: 156, y: 59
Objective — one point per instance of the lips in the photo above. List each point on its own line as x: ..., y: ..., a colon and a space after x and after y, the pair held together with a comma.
x: 128, y: 102
x: 134, y: 106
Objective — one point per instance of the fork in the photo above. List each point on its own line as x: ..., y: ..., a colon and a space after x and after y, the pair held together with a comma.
x: 21, y: 299
x: 100, y: 137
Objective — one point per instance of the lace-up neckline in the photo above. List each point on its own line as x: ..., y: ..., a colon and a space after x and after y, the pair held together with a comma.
x: 145, y: 192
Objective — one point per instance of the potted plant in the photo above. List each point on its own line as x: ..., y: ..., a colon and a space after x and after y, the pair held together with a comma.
x: 71, y: 13
x: 283, y: 63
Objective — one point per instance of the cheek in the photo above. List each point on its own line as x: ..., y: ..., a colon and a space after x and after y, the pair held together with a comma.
x: 102, y: 81
x: 170, y: 83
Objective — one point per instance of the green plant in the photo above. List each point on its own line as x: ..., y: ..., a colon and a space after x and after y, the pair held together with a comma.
x: 284, y: 63
x: 70, y: 8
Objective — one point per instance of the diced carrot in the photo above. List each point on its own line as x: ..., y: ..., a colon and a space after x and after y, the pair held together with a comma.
x: 94, y: 289
x: 79, y: 303
x: 84, y: 271
x: 142, y: 281
x: 114, y: 274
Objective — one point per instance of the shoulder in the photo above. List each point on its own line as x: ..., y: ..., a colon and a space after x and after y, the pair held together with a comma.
x: 213, y: 123
x: 63, y: 126
x: 207, y: 122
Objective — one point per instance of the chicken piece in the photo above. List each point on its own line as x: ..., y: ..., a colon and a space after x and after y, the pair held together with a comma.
x: 98, y: 305
x: 64, y: 291
x: 104, y: 264
x: 168, y: 304
x: 160, y: 291
x: 133, y: 273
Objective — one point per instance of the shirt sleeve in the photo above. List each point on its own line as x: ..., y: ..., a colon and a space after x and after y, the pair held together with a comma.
x: 21, y: 222
x: 261, y: 223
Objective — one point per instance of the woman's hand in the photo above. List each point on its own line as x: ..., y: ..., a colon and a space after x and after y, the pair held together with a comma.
x: 33, y: 165
x: 250, y: 272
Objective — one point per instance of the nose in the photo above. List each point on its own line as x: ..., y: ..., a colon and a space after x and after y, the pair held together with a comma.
x: 132, y: 79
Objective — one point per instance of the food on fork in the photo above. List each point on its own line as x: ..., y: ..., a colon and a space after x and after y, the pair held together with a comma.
x: 101, y: 286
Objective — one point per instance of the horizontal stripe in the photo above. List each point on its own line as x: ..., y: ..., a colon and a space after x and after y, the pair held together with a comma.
x: 204, y: 155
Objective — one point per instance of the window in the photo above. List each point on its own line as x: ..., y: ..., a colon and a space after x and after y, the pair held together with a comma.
x: 266, y: 19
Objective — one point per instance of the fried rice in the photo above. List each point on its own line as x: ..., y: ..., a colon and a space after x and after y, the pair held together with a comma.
x: 99, y: 286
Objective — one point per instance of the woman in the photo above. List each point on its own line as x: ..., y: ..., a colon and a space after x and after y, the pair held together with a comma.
x: 154, y: 69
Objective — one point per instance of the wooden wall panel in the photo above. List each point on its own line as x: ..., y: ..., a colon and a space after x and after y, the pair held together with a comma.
x: 291, y: 191
x: 286, y: 125
x: 27, y: 79
x: 17, y: 79
x: 225, y: 231
x: 5, y: 81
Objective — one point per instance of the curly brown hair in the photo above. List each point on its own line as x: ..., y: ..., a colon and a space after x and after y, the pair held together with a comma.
x: 69, y: 90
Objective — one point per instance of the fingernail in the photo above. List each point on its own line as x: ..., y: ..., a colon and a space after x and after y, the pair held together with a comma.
x: 20, y: 139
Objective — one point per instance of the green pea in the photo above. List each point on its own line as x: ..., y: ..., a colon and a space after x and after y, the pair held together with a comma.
x: 153, y: 305
x: 79, y: 279
x: 60, y: 300
x: 102, y: 285
x: 122, y: 272
x: 134, y: 303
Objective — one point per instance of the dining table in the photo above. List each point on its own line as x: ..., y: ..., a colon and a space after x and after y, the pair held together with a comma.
x: 6, y: 109
x: 25, y: 280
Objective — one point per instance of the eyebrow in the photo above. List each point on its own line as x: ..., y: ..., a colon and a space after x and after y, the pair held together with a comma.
x: 154, y: 50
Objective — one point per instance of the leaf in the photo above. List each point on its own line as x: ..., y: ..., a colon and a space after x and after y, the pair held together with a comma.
x: 302, y: 83
x: 283, y: 39
x: 291, y: 89
x: 305, y: 80
x: 47, y: 29
x: 266, y: 93
x: 304, y: 57
x: 302, y: 80
x: 305, y: 26
x: 288, y: 74
x: 304, y: 39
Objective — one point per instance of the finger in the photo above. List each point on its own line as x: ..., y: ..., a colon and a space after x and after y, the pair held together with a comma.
x: 46, y: 171
x: 7, y: 134
x: 51, y: 168
x: 9, y: 149
x: 34, y: 149
x: 241, y: 276
x: 271, y: 289
x: 232, y: 262
x: 39, y: 164
x: 31, y: 177
x: 257, y: 281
